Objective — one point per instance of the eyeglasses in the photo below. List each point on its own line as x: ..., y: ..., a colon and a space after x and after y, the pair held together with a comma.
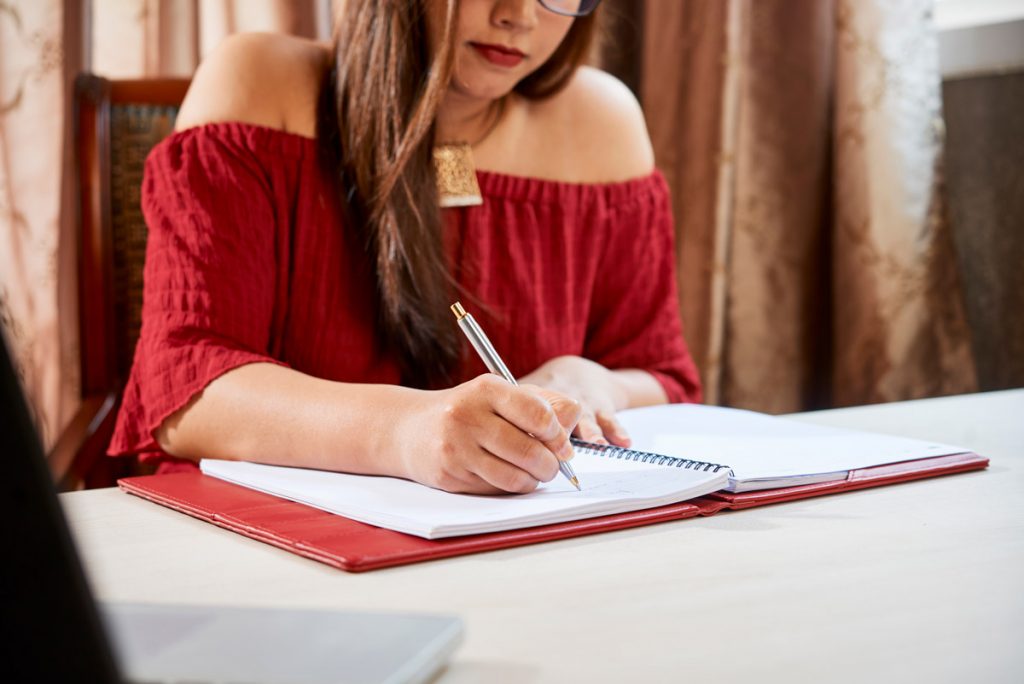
x: 570, y: 8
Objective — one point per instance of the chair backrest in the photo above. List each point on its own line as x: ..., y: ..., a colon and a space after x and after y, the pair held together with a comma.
x: 117, y: 123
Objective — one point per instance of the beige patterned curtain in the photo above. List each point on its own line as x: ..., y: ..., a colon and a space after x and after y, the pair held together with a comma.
x: 139, y: 38
x: 803, y: 143
x: 36, y: 264
x: 802, y: 140
x: 41, y: 51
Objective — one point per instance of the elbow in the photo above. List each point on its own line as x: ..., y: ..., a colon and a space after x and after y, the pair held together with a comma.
x: 174, y: 435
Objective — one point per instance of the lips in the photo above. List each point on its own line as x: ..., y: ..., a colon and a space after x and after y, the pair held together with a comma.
x: 499, y: 55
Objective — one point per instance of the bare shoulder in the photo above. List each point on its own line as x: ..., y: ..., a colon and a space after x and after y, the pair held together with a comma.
x: 598, y: 116
x: 259, y: 78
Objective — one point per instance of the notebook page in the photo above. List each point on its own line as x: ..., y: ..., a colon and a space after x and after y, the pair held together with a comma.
x: 609, y: 486
x: 761, y: 447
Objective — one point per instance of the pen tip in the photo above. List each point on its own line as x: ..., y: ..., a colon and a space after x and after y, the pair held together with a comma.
x: 576, y: 484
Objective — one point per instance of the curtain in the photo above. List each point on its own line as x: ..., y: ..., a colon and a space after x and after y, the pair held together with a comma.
x: 802, y: 140
x: 139, y: 38
x: 43, y: 45
x: 37, y: 54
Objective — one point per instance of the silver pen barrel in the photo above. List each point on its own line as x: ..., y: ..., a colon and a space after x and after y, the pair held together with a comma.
x: 482, y: 345
x: 494, y: 364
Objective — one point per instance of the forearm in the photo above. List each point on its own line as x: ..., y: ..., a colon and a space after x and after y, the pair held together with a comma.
x: 640, y: 388
x: 271, y: 414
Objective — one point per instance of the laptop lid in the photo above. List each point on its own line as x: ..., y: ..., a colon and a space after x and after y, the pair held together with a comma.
x: 52, y: 630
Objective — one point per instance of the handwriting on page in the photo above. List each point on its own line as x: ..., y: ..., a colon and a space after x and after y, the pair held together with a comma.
x: 605, y: 485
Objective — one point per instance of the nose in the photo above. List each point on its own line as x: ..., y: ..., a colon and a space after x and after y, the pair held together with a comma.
x: 515, y: 14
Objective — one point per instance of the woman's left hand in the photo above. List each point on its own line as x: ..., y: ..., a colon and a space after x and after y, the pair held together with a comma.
x: 596, y: 388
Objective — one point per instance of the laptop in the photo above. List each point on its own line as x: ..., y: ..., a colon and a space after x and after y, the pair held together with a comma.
x: 54, y: 630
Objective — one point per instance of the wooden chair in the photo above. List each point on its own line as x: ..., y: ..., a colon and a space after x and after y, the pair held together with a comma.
x: 116, y: 125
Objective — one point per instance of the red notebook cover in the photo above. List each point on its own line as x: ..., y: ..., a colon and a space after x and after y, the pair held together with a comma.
x: 356, y: 546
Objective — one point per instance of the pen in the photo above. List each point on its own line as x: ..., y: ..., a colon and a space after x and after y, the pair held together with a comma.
x: 490, y: 357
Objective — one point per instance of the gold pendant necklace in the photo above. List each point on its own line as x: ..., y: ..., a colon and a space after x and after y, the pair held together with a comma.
x: 456, y: 173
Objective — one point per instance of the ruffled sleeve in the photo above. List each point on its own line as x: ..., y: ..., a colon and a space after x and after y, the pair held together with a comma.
x: 634, y: 320
x: 211, y: 274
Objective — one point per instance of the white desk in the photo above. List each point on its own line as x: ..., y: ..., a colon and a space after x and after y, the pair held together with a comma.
x: 916, y: 582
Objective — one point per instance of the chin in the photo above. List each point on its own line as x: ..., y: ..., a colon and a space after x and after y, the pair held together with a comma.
x: 482, y: 86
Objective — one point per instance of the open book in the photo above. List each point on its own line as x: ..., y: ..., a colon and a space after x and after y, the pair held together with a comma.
x: 767, y: 452
x: 679, y: 452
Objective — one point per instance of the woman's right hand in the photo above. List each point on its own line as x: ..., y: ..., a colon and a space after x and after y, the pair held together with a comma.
x: 485, y: 436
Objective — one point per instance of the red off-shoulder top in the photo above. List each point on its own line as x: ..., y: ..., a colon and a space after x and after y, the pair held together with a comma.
x: 248, y: 260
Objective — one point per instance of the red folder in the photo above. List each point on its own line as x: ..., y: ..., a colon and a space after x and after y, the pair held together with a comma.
x: 356, y: 546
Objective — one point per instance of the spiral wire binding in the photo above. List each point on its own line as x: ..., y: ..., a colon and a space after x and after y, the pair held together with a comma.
x: 612, y: 451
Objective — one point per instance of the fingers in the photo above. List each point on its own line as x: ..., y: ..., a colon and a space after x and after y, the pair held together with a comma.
x: 504, y: 476
x: 471, y: 483
x: 524, y: 452
x: 476, y: 471
x: 612, y: 428
x: 567, y: 410
x: 589, y: 430
x: 602, y: 427
x: 597, y: 425
x: 496, y: 477
x: 493, y: 437
x: 531, y: 413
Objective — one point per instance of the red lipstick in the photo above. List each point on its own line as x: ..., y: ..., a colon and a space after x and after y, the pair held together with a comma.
x: 499, y: 55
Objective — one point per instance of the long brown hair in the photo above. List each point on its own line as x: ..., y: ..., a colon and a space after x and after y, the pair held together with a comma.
x: 376, y: 126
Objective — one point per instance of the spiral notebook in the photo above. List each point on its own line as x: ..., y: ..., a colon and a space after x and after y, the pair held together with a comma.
x: 768, y: 452
x: 680, y: 452
x: 616, y: 481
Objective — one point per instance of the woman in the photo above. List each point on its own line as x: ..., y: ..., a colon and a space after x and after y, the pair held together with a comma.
x: 299, y: 267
